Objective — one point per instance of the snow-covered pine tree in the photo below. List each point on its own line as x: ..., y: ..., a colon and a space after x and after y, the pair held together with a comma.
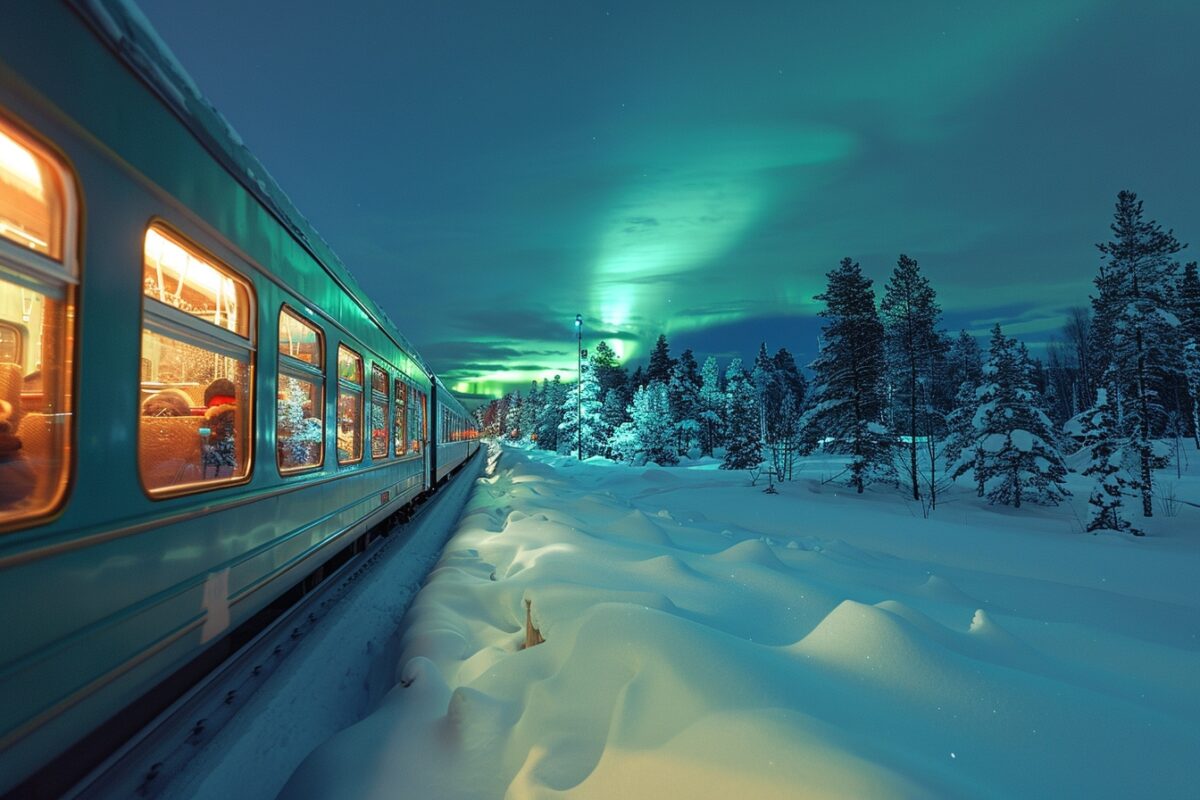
x: 783, y: 398
x: 965, y: 368
x: 609, y: 372
x: 1017, y: 459
x: 684, y: 399
x: 910, y: 316
x: 743, y: 442
x: 513, y: 425
x: 550, y: 414
x: 1103, y: 443
x: 849, y: 397
x: 712, y: 407
x: 1189, y: 323
x: 529, y: 412
x: 661, y: 362
x: 649, y: 435
x: 593, y: 439
x: 1134, y: 314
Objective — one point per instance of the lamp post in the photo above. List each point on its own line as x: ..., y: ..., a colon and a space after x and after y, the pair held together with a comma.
x: 579, y: 386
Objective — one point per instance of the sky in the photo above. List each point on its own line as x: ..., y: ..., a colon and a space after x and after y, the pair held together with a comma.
x: 489, y: 170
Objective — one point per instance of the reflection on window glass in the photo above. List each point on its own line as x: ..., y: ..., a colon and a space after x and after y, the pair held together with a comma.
x: 195, y: 383
x: 34, y: 400
x: 180, y: 277
x: 195, y: 421
x: 31, y: 197
x: 298, y: 339
x: 350, y: 405
x: 300, y: 435
x: 37, y: 319
x: 379, y: 412
x: 398, y: 434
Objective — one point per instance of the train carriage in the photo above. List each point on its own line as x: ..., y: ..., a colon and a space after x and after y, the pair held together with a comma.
x: 208, y: 407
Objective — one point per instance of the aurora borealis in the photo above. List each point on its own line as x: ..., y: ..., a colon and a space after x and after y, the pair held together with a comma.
x: 489, y: 170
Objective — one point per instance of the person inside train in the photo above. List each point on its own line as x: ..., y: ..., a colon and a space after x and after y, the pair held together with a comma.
x: 17, y: 478
x: 167, y: 403
x: 220, y: 415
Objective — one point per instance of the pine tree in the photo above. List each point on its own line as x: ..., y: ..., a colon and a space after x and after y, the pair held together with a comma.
x: 609, y: 372
x: 550, y: 414
x: 684, y: 399
x: 743, y: 441
x: 512, y: 428
x: 648, y: 436
x: 529, y: 412
x: 910, y: 316
x: 1189, y: 324
x: 711, y: 407
x: 593, y: 437
x: 660, y: 362
x: 762, y: 376
x: 1102, y: 441
x: 848, y: 396
x: 965, y: 370
x: 1138, y: 326
x: 1016, y: 457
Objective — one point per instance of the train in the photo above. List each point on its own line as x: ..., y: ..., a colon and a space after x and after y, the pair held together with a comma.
x: 200, y: 409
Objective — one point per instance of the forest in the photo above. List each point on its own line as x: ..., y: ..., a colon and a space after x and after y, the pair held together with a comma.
x: 910, y: 405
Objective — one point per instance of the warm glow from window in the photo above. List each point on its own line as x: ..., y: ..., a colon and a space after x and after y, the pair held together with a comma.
x: 31, y: 198
x: 19, y: 167
x: 298, y: 339
x: 176, y: 275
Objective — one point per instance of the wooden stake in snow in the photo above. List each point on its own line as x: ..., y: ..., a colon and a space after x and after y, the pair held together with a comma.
x: 532, y: 635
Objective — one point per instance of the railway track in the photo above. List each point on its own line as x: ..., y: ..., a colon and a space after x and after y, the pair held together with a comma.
x: 145, y: 765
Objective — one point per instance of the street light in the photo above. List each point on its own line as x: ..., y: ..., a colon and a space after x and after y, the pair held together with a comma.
x: 579, y: 386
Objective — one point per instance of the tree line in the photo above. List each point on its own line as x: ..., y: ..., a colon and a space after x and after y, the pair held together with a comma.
x: 907, y: 403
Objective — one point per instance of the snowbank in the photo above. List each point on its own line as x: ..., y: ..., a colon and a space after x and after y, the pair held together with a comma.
x: 706, y: 640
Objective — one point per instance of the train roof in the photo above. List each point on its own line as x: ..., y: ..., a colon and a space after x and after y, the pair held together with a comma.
x: 125, y: 29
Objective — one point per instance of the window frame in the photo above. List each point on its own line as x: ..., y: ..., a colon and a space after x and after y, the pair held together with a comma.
x: 167, y: 321
x: 378, y: 367
x: 344, y: 384
x: 301, y: 370
x: 57, y: 278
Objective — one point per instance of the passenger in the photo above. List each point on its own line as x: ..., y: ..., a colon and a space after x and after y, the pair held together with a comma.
x: 220, y: 414
x: 17, y: 478
x: 167, y: 403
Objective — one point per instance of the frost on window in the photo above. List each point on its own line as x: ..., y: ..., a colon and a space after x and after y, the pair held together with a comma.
x: 300, y: 432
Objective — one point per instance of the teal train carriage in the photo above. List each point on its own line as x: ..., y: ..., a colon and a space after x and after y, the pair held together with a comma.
x: 198, y: 405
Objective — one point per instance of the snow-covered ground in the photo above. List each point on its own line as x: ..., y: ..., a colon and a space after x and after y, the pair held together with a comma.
x: 704, y: 639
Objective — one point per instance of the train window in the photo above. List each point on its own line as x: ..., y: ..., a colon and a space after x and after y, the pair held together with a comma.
x: 37, y: 320
x: 300, y: 402
x: 400, y: 421
x: 196, y: 367
x: 379, y: 412
x: 416, y: 421
x: 350, y: 402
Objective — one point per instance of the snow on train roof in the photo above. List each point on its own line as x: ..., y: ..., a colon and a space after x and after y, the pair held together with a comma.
x: 125, y: 28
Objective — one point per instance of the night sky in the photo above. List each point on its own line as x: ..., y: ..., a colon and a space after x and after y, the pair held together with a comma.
x: 488, y: 170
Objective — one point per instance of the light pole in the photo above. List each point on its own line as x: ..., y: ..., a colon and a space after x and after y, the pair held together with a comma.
x: 579, y: 386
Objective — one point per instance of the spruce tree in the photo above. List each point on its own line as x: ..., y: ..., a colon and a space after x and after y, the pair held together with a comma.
x: 1135, y: 319
x: 660, y: 362
x: 1104, y: 447
x: 1189, y: 327
x: 849, y: 395
x: 550, y: 415
x: 711, y: 407
x: 1016, y: 459
x: 684, y: 398
x: 648, y: 436
x: 529, y: 412
x: 609, y: 372
x: 593, y: 437
x: 910, y: 316
x: 743, y: 442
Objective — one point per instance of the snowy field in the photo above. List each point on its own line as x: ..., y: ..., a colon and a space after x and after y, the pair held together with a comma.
x: 704, y: 639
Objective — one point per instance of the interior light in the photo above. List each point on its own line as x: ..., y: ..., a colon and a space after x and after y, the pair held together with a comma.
x: 19, y: 168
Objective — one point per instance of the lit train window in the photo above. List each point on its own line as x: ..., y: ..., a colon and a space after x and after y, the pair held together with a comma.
x: 37, y: 321
x: 300, y: 400
x: 400, y: 421
x: 379, y: 412
x: 350, y: 405
x: 416, y: 421
x: 197, y: 352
